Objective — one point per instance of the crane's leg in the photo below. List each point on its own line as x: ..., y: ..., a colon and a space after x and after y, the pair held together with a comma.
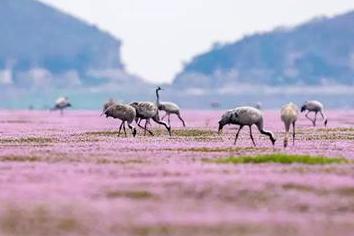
x: 241, y: 126
x: 61, y: 112
x: 120, y: 128
x: 324, y: 117
x: 156, y: 119
x: 179, y: 117
x: 314, y: 121
x: 293, y: 133
x: 144, y: 128
x: 307, y: 116
x: 132, y: 128
x: 125, y: 132
x: 286, y: 137
x: 169, y: 119
x: 252, y: 135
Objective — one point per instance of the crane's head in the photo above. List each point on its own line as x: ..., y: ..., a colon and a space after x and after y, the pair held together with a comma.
x: 159, y: 88
x: 227, y: 118
x: 221, y: 125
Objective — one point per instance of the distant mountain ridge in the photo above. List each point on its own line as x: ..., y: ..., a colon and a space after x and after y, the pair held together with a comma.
x: 45, y: 53
x: 49, y: 46
x: 320, y: 52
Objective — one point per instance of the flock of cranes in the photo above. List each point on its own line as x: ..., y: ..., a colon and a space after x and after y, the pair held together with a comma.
x: 242, y: 116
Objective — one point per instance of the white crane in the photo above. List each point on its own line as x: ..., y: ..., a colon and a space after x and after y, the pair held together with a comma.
x: 61, y: 104
x: 289, y: 114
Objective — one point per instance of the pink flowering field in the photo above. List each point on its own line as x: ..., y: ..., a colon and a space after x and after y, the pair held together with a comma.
x: 72, y: 175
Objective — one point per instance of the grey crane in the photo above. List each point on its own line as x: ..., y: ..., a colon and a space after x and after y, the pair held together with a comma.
x: 146, y: 111
x: 123, y: 112
x: 245, y: 116
x: 169, y: 108
x: 316, y: 107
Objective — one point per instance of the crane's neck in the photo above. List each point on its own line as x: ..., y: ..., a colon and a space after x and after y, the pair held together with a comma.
x: 157, y: 98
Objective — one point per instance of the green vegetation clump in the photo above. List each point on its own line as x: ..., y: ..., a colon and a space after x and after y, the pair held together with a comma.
x: 282, y: 159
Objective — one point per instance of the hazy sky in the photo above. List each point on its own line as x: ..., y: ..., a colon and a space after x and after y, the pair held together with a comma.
x: 160, y: 35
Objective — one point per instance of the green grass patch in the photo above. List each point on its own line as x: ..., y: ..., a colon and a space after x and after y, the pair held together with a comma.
x: 282, y: 159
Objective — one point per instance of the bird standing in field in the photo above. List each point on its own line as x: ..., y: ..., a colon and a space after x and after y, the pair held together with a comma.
x: 316, y: 107
x: 61, y: 104
x: 146, y: 111
x: 125, y: 113
x: 245, y: 116
x: 289, y: 114
x: 169, y: 108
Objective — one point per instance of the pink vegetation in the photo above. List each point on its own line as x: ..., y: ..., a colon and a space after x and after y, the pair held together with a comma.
x: 72, y: 175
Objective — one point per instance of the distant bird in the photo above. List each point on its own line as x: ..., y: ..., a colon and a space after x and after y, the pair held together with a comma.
x: 245, y: 116
x: 289, y: 114
x: 169, y: 108
x: 146, y: 111
x: 125, y: 113
x: 61, y: 104
x: 314, y: 106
